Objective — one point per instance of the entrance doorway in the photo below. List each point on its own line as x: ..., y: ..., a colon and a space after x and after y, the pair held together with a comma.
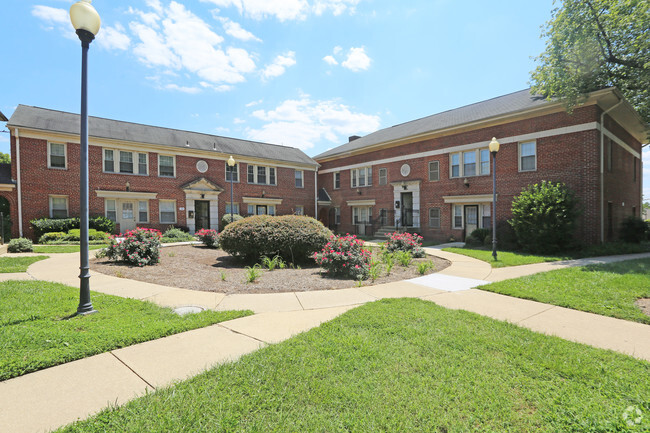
x: 202, y: 211
x: 407, y: 209
x: 261, y: 209
x: 471, y: 219
x: 127, y: 220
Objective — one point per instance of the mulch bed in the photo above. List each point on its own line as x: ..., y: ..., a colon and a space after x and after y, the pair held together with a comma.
x: 201, y: 268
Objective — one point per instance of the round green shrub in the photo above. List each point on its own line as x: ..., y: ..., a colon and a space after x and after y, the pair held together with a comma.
x: 51, y: 237
x: 20, y: 245
x: 139, y: 247
x: 293, y: 237
x: 344, y: 256
x: 409, y: 242
x: 209, y: 237
x: 225, y: 219
x: 633, y: 230
x: 175, y: 234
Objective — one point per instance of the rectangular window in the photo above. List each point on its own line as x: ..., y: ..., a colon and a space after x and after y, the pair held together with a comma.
x: 272, y: 176
x: 251, y: 174
x: 232, y: 172
x: 455, y: 165
x: 109, y: 161
x: 469, y: 163
x: 434, y: 217
x: 235, y: 206
x: 142, y: 163
x: 251, y: 209
x: 485, y: 161
x: 167, y: 211
x: 300, y: 210
x: 361, y: 177
x: 261, y: 175
x: 298, y: 175
x: 57, y: 155
x: 126, y: 162
x: 486, y: 220
x: 271, y: 209
x: 383, y: 176
x: 166, y: 166
x: 361, y: 215
x: 143, y: 211
x: 528, y: 156
x: 58, y: 206
x: 458, y: 217
x: 337, y: 215
x: 111, y: 210
x: 337, y: 180
x: 434, y: 171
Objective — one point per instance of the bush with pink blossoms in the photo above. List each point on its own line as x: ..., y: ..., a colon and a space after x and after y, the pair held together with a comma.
x: 344, y: 256
x: 209, y: 237
x: 139, y: 247
x: 410, y: 242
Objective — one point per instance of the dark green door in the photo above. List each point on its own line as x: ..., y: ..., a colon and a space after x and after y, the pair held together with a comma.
x: 202, y: 209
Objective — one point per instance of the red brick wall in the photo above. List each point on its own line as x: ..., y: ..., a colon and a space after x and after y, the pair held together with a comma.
x: 38, y: 182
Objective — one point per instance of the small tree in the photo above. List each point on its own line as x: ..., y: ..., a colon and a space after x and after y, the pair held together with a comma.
x: 544, y: 216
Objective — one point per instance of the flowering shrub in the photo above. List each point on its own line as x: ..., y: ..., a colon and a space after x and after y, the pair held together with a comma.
x: 209, y: 237
x: 345, y: 256
x: 405, y: 242
x: 137, y: 247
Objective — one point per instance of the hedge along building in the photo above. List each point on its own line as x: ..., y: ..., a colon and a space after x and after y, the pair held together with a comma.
x: 148, y: 176
x: 434, y: 175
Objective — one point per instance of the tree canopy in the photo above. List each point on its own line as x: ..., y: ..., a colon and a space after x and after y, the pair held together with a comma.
x: 594, y: 44
x: 5, y: 158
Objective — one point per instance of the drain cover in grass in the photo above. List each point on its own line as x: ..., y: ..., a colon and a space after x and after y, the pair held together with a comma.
x: 188, y: 309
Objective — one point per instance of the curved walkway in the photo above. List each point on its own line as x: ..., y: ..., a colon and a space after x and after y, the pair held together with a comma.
x: 59, y: 395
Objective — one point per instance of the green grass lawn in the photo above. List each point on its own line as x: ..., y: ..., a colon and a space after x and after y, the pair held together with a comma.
x: 505, y: 258
x: 610, y: 290
x: 401, y: 365
x: 36, y: 330
x: 18, y: 264
x: 49, y: 249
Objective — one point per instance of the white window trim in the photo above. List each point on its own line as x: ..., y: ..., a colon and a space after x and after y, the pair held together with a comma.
x: 300, y: 209
x: 385, y: 170
x: 337, y: 215
x: 234, y: 205
x: 49, y: 154
x: 461, y: 167
x: 367, y: 169
x: 358, y: 209
x: 268, y: 174
x: 453, y: 217
x: 67, y: 204
x: 148, y: 212
x: 160, y: 212
x: 519, y: 155
x: 438, y: 170
x: 439, y: 218
x: 268, y: 208
x: 106, y: 200
x: 334, y: 180
x: 302, y: 178
x: 173, y: 162
x: 135, y: 156
x: 225, y: 174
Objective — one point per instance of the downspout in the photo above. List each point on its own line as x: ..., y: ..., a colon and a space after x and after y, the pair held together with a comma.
x: 602, y: 170
x: 315, y: 194
x: 18, y: 184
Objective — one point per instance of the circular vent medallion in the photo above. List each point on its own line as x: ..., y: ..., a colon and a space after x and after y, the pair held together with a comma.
x: 405, y: 170
x: 202, y: 166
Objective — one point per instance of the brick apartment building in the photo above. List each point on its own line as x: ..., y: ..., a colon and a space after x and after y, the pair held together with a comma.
x: 147, y: 176
x: 434, y: 175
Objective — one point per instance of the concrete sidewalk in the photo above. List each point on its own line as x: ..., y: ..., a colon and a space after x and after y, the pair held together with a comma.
x: 59, y: 395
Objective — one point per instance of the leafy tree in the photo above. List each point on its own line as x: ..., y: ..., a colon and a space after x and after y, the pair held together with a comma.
x: 593, y: 44
x: 544, y: 217
x: 5, y: 158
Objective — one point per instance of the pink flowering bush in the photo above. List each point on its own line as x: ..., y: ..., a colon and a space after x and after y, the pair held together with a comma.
x: 209, y: 237
x: 137, y: 247
x: 345, y: 256
x: 405, y: 242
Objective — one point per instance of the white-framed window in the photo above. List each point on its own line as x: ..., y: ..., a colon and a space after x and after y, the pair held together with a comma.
x: 434, y: 171
x: 167, y: 210
x: 383, y: 176
x: 361, y: 214
x: 434, y: 217
x: 458, y: 216
x: 57, y: 155
x: 486, y: 221
x: 232, y: 172
x: 337, y: 180
x: 235, y: 206
x: 58, y: 206
x: 469, y: 163
x: 143, y: 211
x: 261, y: 175
x: 361, y: 177
x: 528, y: 156
x: 110, y: 209
x: 337, y: 215
x: 166, y: 166
x: 299, y: 174
x: 300, y: 209
x: 261, y: 209
x: 128, y: 162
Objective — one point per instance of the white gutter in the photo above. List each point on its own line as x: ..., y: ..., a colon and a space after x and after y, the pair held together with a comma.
x: 602, y: 170
x: 18, y: 184
x: 315, y: 194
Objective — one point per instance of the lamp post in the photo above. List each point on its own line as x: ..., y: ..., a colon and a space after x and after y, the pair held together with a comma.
x: 231, y: 164
x: 86, y: 22
x: 494, y: 148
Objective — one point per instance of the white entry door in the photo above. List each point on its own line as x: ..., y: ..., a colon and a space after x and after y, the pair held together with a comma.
x: 127, y: 217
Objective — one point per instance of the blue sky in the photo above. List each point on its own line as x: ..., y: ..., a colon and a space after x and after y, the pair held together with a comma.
x: 304, y: 73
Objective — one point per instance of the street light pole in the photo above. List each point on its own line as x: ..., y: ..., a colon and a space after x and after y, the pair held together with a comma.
x: 231, y: 164
x: 86, y: 22
x: 494, y: 148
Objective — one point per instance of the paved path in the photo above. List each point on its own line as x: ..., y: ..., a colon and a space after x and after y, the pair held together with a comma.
x: 56, y: 396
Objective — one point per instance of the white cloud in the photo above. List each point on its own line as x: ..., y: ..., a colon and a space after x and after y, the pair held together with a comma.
x: 51, y: 15
x: 284, y: 10
x: 330, y: 60
x: 113, y: 38
x: 279, y: 65
x: 238, y: 121
x: 253, y: 103
x: 304, y: 123
x: 337, y: 49
x: 336, y: 6
x: 357, y: 60
x: 190, y: 90
x: 236, y: 31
